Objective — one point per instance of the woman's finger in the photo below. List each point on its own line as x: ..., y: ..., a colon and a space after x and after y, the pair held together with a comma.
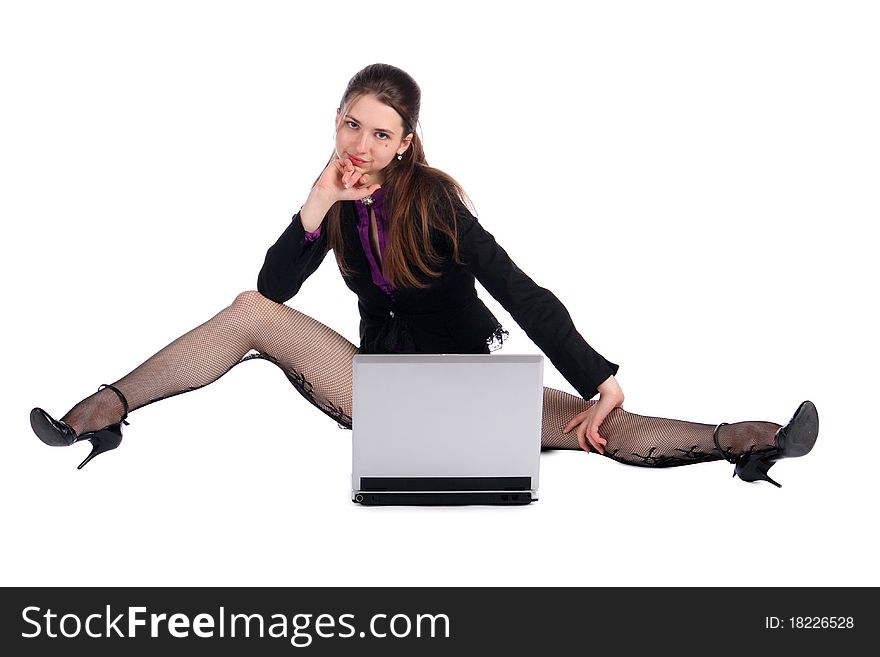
x: 350, y: 176
x: 338, y: 167
x: 339, y: 170
x: 582, y: 437
x: 577, y: 419
x: 347, y: 168
x: 596, y: 440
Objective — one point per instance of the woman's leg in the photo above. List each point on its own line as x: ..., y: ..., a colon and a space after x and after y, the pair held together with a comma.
x: 312, y: 355
x: 651, y: 441
x: 317, y: 360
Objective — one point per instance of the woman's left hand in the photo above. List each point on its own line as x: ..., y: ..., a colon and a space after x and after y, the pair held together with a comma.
x: 589, y: 421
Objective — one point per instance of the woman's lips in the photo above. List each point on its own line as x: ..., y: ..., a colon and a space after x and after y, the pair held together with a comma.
x: 356, y: 160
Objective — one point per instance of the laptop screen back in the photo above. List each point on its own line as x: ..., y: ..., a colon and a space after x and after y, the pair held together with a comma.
x: 446, y: 416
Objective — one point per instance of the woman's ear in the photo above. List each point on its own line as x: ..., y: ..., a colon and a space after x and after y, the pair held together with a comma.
x: 405, y: 143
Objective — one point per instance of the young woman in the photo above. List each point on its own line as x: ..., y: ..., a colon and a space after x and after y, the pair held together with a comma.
x: 408, y: 246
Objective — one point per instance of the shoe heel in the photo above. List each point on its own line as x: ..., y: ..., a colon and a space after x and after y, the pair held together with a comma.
x: 103, y: 441
x: 754, y: 467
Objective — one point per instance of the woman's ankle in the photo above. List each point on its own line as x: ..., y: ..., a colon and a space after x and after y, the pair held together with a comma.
x: 752, y: 436
x: 95, y: 412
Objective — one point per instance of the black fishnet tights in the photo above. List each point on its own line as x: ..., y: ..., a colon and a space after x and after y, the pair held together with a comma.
x: 317, y: 361
x: 651, y: 441
x: 315, y: 358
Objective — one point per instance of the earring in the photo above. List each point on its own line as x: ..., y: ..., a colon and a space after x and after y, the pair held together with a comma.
x: 400, y: 156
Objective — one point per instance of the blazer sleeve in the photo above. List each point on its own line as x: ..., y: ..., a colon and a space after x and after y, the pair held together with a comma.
x: 537, y: 310
x: 290, y: 261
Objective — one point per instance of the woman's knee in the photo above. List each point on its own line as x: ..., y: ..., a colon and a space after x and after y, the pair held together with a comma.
x: 250, y: 300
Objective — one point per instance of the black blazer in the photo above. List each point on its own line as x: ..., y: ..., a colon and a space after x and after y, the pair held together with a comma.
x: 446, y: 317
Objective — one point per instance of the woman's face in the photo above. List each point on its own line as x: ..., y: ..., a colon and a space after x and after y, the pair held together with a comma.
x: 371, y: 135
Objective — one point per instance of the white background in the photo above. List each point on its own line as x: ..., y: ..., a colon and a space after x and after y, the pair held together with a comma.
x: 696, y: 181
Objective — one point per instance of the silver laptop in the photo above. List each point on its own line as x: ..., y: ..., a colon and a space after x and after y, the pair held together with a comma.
x: 446, y: 429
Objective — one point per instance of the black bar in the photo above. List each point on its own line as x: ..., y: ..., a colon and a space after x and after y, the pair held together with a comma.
x: 445, y: 483
x: 515, y: 620
x: 441, y: 499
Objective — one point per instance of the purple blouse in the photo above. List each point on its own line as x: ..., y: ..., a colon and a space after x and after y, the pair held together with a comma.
x: 363, y: 212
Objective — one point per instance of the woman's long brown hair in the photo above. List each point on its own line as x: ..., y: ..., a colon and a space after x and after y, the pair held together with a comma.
x: 418, y: 198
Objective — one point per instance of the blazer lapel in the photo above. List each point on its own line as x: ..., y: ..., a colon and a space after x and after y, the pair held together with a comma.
x: 362, y: 278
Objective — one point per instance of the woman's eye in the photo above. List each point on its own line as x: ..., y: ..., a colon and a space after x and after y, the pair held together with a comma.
x: 382, y: 136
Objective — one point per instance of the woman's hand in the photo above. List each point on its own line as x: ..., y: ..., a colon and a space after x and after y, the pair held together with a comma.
x: 589, y: 421
x: 343, y: 181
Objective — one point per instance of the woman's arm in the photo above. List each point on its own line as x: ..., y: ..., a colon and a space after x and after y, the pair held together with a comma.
x: 292, y: 259
x: 537, y: 310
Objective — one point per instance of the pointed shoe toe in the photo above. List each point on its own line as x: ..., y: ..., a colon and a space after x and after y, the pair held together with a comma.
x: 50, y: 431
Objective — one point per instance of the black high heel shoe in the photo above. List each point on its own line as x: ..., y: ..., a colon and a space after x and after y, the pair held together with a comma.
x: 60, y: 434
x: 794, y: 439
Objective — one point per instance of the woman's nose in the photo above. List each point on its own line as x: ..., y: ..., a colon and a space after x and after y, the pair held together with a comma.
x: 363, y: 144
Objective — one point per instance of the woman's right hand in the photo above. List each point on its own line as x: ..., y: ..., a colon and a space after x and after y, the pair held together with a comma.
x: 341, y: 180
